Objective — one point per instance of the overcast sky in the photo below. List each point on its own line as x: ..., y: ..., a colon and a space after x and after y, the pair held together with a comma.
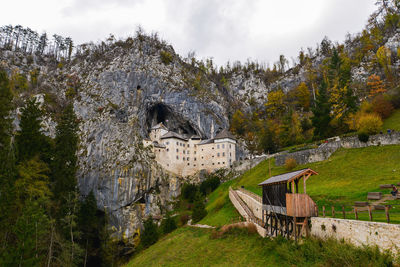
x: 223, y: 29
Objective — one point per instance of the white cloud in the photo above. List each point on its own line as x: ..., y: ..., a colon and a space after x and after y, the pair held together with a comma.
x: 225, y: 29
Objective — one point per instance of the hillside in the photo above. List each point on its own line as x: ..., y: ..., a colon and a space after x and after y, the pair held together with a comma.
x: 197, y: 247
x: 347, y: 176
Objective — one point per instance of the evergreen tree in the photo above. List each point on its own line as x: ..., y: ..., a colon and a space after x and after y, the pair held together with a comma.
x: 30, y: 140
x: 7, y: 167
x: 65, y: 159
x: 150, y: 233
x: 199, y: 209
x: 168, y: 225
x: 321, y: 111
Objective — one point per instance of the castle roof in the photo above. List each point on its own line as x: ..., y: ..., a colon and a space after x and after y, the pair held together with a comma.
x: 171, y: 134
x: 204, y: 142
x: 159, y: 126
x: 224, y: 134
x: 195, y: 137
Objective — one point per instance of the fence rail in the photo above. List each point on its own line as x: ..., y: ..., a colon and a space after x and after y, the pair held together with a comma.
x: 389, y: 213
x: 250, y: 215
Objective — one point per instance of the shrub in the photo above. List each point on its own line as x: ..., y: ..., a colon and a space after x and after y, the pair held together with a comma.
x: 290, y: 164
x: 199, y: 209
x: 209, y: 185
x: 184, y: 219
x: 382, y: 106
x: 363, y: 137
x: 166, y: 57
x: 150, y: 233
x: 189, y: 192
x: 168, y: 225
x: 369, y: 124
x: 219, y: 203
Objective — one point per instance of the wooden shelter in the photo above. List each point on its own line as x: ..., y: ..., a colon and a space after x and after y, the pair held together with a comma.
x: 284, y: 208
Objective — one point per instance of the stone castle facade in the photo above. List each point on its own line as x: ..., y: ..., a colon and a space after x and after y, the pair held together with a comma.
x: 185, y: 155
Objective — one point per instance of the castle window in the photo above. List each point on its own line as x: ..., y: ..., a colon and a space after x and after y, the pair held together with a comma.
x: 217, y: 154
x: 223, y: 154
x: 195, y: 152
x: 230, y: 154
x: 188, y: 145
x: 183, y: 145
x: 202, y: 164
x: 202, y: 157
x: 188, y: 152
x: 177, y: 150
x: 159, y: 150
x: 213, y: 163
x: 183, y: 151
x: 177, y: 143
x: 183, y: 158
x: 188, y: 164
x: 194, y: 159
x: 223, y: 162
x: 187, y: 158
x: 177, y: 157
x: 217, y: 146
x: 167, y: 143
x: 223, y: 145
x: 230, y: 145
x: 202, y: 149
x: 212, y: 147
x: 218, y: 163
x: 167, y: 149
x: 194, y: 165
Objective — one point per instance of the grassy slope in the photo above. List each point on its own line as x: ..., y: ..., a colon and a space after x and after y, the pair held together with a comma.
x: 347, y: 176
x: 393, y: 122
x: 344, y: 178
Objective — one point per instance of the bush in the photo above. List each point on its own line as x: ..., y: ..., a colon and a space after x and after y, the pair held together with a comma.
x: 369, y: 124
x: 184, y: 219
x: 363, y: 137
x: 189, y: 192
x: 290, y: 164
x: 199, y: 209
x: 150, y: 233
x: 168, y: 225
x: 382, y: 106
x: 219, y: 203
x: 209, y: 185
x: 166, y: 57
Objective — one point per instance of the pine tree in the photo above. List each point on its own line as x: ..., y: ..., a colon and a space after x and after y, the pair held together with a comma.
x: 30, y: 140
x: 65, y: 159
x: 321, y: 111
x: 199, y: 209
x: 150, y: 233
x: 168, y: 225
x: 7, y: 166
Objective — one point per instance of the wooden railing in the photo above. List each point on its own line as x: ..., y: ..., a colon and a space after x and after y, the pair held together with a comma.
x: 250, y: 215
x: 300, y: 205
x: 251, y: 194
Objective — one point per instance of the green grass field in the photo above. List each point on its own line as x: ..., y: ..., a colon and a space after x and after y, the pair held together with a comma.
x: 393, y: 122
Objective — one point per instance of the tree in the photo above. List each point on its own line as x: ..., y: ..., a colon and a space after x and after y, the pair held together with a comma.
x: 64, y: 165
x: 369, y: 124
x: 321, y: 114
x: 238, y: 123
x: 275, y: 105
x: 303, y: 95
x: 383, y: 56
x: 168, y: 225
x: 199, y: 209
x: 382, y: 106
x: 150, y: 233
x: 375, y: 85
x: 30, y: 141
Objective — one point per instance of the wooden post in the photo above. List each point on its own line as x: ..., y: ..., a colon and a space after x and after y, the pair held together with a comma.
x: 304, y: 184
x: 323, y: 211
x: 344, y: 213
x: 355, y: 213
x: 293, y: 187
x: 333, y: 212
x: 387, y: 213
x: 295, y: 229
x: 370, y: 212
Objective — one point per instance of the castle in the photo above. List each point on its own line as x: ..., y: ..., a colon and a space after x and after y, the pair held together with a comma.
x: 185, y: 155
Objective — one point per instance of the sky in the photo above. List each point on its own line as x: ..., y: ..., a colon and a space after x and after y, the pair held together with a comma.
x: 226, y: 30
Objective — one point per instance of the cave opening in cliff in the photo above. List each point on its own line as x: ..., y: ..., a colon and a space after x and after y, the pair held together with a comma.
x: 160, y: 112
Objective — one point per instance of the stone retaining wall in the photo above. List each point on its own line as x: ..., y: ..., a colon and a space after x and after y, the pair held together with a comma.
x: 254, y: 205
x: 384, y: 235
x: 325, y: 150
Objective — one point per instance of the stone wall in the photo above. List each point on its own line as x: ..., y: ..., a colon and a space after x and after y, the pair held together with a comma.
x: 325, y: 150
x: 254, y: 204
x: 384, y: 235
